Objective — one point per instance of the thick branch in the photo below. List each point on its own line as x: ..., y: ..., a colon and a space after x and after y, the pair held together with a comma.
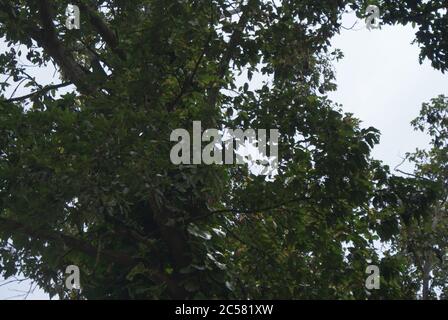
x: 102, y: 27
x: 48, y: 39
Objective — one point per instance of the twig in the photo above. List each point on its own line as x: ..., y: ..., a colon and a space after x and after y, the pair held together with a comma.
x: 39, y: 92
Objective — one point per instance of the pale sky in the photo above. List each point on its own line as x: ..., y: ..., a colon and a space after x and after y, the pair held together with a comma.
x: 379, y: 80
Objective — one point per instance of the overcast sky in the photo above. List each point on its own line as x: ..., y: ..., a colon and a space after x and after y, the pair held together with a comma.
x: 380, y: 81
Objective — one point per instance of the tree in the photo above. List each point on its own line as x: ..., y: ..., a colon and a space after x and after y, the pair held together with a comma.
x: 86, y: 177
x: 421, y: 206
x: 428, y: 17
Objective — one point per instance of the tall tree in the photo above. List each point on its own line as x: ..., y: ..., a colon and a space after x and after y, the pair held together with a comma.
x: 86, y: 177
x: 423, y: 205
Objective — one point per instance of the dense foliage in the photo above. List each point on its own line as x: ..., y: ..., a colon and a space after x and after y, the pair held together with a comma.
x: 86, y: 177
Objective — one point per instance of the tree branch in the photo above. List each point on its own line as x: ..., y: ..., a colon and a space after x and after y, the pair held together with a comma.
x: 103, y: 29
x: 47, y: 38
x: 252, y: 211
x: 72, y: 242
x: 189, y: 80
x: 40, y: 92
x: 230, y: 51
x: 122, y: 259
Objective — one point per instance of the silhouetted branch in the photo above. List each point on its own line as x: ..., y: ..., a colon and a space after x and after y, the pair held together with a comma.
x: 40, y: 92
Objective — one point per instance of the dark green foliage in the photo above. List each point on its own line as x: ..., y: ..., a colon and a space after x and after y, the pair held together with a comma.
x: 86, y: 177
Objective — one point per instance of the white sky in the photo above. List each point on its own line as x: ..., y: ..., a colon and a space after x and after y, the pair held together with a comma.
x: 380, y: 81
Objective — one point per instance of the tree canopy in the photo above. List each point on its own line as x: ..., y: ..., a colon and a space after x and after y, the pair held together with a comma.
x: 86, y: 177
